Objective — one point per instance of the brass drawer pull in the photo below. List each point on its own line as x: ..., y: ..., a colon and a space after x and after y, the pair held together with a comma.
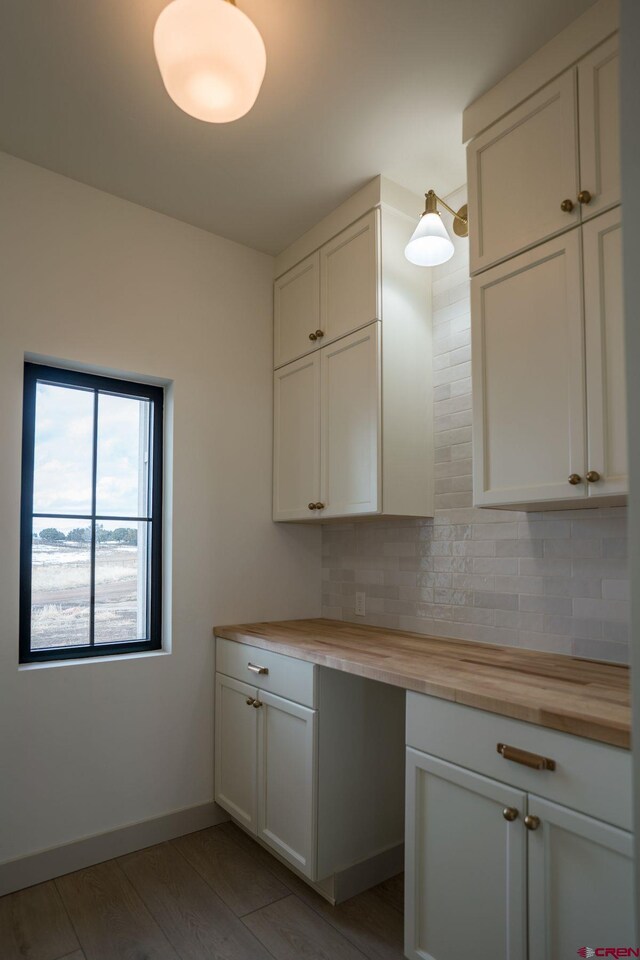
x: 533, y: 760
x: 256, y: 669
x: 250, y: 701
x: 257, y: 703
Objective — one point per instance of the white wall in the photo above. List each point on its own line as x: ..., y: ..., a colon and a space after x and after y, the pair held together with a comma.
x: 630, y: 85
x: 89, y: 278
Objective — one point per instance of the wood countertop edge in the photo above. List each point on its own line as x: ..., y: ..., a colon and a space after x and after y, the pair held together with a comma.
x: 609, y: 730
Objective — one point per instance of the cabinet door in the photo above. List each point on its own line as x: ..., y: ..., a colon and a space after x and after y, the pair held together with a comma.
x: 604, y: 323
x: 350, y: 450
x: 296, y: 310
x: 296, y: 439
x: 599, y: 97
x: 349, y: 278
x: 528, y: 377
x: 580, y: 883
x: 520, y: 170
x: 287, y: 763
x: 465, y: 881
x: 236, y: 750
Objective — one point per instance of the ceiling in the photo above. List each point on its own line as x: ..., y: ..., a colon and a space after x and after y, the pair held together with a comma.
x: 353, y: 88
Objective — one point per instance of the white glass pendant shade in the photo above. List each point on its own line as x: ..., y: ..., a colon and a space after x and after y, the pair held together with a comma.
x: 211, y: 57
x: 430, y: 244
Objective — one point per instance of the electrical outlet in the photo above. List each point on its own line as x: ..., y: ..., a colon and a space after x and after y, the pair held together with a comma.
x: 360, y: 604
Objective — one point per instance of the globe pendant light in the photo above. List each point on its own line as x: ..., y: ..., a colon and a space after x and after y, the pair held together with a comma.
x: 211, y: 57
x: 430, y: 244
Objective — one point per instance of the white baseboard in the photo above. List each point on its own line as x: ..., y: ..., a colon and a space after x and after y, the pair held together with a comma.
x: 56, y: 861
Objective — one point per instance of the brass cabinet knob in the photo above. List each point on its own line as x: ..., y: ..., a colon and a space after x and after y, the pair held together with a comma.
x: 313, y: 336
x: 250, y: 701
x: 319, y: 334
x: 257, y: 703
x: 319, y: 506
x: 567, y: 205
x: 574, y: 479
x: 510, y: 814
x: 313, y: 506
x: 584, y: 197
x: 593, y: 476
x: 531, y: 822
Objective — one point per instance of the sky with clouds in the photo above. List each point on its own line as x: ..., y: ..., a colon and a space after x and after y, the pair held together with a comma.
x: 63, y: 454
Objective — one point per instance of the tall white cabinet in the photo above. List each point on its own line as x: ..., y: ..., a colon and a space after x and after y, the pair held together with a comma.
x: 353, y: 423
x: 547, y: 321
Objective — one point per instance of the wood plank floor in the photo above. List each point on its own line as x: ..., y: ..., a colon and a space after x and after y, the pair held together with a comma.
x: 212, y: 895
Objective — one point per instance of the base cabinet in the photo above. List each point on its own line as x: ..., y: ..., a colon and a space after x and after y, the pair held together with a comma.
x: 580, y: 883
x: 494, y: 868
x: 311, y: 762
x: 465, y: 865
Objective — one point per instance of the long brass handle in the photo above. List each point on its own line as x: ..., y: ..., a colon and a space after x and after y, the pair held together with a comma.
x: 533, y: 760
x: 256, y: 669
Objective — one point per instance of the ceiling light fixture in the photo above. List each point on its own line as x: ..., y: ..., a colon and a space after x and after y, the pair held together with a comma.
x: 430, y: 243
x: 211, y: 57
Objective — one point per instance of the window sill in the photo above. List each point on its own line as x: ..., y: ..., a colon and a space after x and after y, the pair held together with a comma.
x: 49, y: 664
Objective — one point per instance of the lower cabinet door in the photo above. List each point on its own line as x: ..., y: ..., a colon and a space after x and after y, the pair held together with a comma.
x: 236, y: 750
x: 287, y: 764
x: 580, y: 883
x: 465, y: 864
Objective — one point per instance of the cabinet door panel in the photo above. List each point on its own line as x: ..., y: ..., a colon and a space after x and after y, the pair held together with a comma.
x: 350, y: 278
x: 236, y: 750
x: 287, y: 764
x: 296, y: 439
x: 296, y: 309
x: 598, y: 87
x: 604, y: 322
x: 580, y: 883
x: 350, y: 454
x: 520, y: 170
x: 465, y: 865
x: 528, y: 377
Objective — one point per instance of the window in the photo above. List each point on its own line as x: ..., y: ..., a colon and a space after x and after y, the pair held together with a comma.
x: 91, y: 524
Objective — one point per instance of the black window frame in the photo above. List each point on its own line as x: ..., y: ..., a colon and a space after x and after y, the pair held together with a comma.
x: 35, y: 373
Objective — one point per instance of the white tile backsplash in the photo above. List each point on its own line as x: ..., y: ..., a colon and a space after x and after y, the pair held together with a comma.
x: 551, y: 581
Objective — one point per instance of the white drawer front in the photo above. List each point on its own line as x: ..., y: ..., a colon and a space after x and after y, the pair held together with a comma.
x: 285, y: 676
x: 591, y: 777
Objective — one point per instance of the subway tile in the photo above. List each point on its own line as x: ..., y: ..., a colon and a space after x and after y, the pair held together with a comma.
x: 544, y: 529
x: 519, y: 548
x: 616, y: 631
x: 495, y: 531
x: 600, y: 650
x: 615, y: 547
x: 567, y: 549
x: 504, y: 566
x: 615, y: 589
x: 614, y: 610
x: 562, y: 606
x: 572, y: 587
x: 550, y: 643
x: 498, y: 601
x: 544, y: 567
x: 524, y: 585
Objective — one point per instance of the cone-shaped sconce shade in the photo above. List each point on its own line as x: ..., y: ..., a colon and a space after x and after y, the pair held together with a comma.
x: 211, y: 57
x: 430, y: 243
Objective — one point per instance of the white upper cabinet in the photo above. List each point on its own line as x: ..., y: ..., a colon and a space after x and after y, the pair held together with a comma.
x: 521, y: 170
x: 549, y: 164
x: 368, y: 372
x: 528, y: 377
x: 296, y: 306
x: 349, y: 278
x: 351, y: 424
x: 599, y: 99
x: 296, y: 438
x: 604, y: 324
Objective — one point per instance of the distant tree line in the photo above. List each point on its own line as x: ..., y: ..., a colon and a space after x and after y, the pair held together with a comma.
x: 126, y: 535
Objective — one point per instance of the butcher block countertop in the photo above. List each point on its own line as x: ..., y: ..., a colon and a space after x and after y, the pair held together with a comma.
x: 583, y: 697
